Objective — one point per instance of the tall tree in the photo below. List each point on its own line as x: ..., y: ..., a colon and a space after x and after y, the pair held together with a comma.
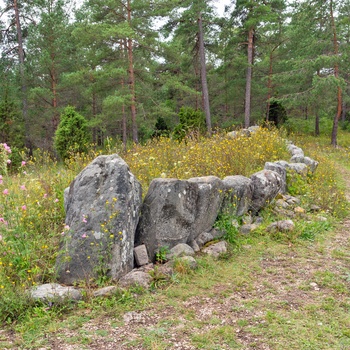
x: 49, y: 52
x: 190, y: 24
x: 250, y: 14
x: 13, y: 41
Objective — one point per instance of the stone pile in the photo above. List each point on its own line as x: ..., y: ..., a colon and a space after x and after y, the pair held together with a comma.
x: 111, y: 231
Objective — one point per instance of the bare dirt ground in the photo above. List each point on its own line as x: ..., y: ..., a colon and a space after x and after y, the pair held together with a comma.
x: 248, y: 312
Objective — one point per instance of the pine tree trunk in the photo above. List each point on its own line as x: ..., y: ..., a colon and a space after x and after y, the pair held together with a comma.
x: 269, y: 87
x: 317, y: 123
x: 122, y: 83
x: 22, y: 75
x: 132, y: 81
x: 248, y: 88
x: 205, y: 92
x: 55, y: 118
x: 336, y: 75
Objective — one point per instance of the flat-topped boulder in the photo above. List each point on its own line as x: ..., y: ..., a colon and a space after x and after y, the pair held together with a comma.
x: 176, y: 211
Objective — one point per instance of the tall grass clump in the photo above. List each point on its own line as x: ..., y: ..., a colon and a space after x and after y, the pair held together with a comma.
x: 325, y: 187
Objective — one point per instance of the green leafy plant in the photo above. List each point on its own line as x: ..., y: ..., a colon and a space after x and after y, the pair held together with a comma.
x: 296, y: 183
x: 228, y: 223
x: 72, y: 135
x: 161, y: 254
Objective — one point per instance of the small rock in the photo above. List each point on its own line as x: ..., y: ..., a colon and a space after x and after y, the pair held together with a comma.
x: 247, y: 219
x: 104, y: 291
x: 285, y: 212
x: 291, y: 200
x: 321, y: 218
x: 281, y: 226
x: 141, y: 255
x: 280, y: 203
x: 216, y: 233
x: 146, y: 268
x: 190, y: 261
x: 258, y: 220
x: 54, y: 291
x: 204, y: 238
x: 132, y: 316
x: 314, y: 208
x: 166, y: 269
x: 195, y: 246
x: 181, y: 249
x: 135, y: 278
x: 246, y: 229
x: 299, y: 210
x: 216, y: 249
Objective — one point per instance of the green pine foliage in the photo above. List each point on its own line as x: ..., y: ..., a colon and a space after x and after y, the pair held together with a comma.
x: 72, y: 135
x: 190, y: 120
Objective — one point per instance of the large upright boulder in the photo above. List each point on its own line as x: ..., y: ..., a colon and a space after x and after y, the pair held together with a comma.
x: 238, y: 195
x: 208, y: 204
x: 266, y: 185
x: 176, y: 211
x: 102, y: 212
x: 278, y: 168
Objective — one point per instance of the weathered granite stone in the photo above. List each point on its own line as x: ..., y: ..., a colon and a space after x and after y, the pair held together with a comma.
x: 299, y: 210
x: 204, y: 238
x: 247, y: 228
x: 266, y: 186
x: 135, y: 278
x: 166, y: 269
x: 294, y: 150
x: 180, y: 249
x: 233, y: 134
x: 299, y: 168
x: 194, y: 245
x: 216, y: 249
x: 145, y: 268
x: 314, y: 208
x: 311, y: 163
x: 238, y: 195
x: 54, y: 292
x: 141, y: 255
x: 190, y: 261
x: 216, y: 233
x: 168, y: 214
x: 176, y: 211
x: 285, y: 212
x: 281, y: 226
x: 208, y: 204
x: 278, y: 168
x: 253, y: 128
x: 247, y: 219
x: 298, y: 158
x: 291, y: 200
x: 102, y: 211
x: 282, y: 204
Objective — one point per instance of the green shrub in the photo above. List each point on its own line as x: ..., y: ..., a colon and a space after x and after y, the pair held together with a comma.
x: 72, y: 135
x: 190, y: 120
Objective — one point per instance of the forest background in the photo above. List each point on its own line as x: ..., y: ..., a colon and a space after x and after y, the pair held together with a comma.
x: 135, y: 68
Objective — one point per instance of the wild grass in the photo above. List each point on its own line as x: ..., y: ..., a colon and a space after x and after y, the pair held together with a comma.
x: 32, y: 214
